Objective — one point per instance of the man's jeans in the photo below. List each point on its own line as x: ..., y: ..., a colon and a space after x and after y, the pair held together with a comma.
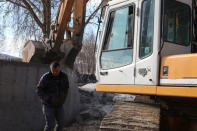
x: 53, y: 115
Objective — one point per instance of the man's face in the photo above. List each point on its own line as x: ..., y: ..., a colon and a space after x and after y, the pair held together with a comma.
x: 55, y: 71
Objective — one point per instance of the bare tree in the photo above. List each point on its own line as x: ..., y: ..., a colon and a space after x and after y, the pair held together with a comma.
x: 1, y: 44
x: 33, y: 18
x: 30, y: 18
x: 2, y: 37
x: 85, y: 61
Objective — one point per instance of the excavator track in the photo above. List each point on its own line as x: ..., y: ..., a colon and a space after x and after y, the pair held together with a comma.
x: 131, y: 116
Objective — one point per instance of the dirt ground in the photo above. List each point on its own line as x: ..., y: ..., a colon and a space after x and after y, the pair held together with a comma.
x: 94, y: 107
x: 88, y: 125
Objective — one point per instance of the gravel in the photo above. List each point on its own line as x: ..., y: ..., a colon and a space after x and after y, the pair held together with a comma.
x: 94, y: 106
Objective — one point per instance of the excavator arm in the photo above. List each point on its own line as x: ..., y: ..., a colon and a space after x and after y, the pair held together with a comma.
x: 70, y: 12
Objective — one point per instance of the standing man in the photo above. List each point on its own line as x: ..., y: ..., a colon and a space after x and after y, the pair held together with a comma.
x: 52, y: 90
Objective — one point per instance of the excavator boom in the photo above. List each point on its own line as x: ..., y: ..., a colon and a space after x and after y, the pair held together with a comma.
x: 63, y: 21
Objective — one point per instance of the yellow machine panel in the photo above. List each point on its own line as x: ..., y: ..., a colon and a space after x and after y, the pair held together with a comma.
x: 151, y: 90
x: 175, y: 91
x: 179, y: 67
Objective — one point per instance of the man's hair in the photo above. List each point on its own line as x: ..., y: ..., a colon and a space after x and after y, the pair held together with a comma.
x: 54, y: 64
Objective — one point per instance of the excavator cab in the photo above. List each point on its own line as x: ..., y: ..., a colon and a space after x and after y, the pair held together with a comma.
x: 127, y: 24
x: 146, y: 44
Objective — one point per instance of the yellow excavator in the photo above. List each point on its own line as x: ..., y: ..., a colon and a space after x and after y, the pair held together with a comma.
x: 147, y: 47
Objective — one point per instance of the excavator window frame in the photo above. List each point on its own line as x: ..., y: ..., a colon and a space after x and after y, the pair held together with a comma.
x: 190, y: 24
x: 140, y: 44
x: 106, y: 35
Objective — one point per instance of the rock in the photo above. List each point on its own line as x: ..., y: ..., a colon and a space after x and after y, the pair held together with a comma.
x: 124, y: 97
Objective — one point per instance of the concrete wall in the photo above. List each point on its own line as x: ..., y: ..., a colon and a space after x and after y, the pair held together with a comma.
x: 20, y: 107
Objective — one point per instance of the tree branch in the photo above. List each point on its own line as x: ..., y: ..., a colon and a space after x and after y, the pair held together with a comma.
x: 94, y: 13
x: 18, y: 4
x: 33, y: 14
x: 36, y: 8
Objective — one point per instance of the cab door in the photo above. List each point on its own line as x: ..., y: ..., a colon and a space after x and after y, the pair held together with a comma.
x: 148, y: 45
x: 116, y: 54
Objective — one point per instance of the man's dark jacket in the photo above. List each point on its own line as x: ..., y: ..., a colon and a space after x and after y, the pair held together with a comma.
x: 52, y: 90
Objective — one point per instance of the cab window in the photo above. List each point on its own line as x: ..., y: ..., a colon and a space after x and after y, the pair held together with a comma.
x: 177, y: 23
x: 147, y: 28
x: 117, y: 49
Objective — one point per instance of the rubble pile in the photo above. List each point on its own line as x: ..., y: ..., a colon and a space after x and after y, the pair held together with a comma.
x: 94, y: 106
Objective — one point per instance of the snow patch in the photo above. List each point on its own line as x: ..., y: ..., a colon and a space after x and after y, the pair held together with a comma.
x: 124, y: 97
